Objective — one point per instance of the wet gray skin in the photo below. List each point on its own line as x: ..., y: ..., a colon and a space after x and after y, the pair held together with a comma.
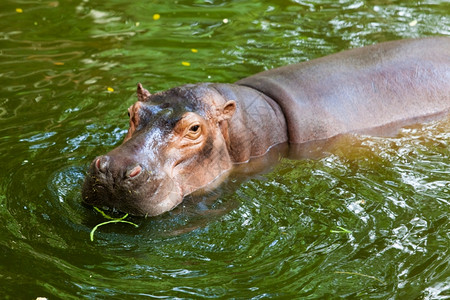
x: 174, y: 147
x: 189, y: 137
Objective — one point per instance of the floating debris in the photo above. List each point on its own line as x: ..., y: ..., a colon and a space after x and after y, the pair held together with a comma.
x: 342, y: 230
x: 359, y: 274
x: 413, y: 23
x: 111, y: 220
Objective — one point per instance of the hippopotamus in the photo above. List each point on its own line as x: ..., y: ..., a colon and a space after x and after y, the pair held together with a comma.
x: 182, y: 140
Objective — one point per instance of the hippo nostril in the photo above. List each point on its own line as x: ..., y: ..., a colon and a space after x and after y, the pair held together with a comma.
x: 102, y: 163
x: 135, y: 171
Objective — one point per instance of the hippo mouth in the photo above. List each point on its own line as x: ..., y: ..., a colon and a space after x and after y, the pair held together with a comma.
x: 136, y: 193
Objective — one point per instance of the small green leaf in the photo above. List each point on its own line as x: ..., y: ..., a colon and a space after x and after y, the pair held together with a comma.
x: 342, y: 230
x: 359, y: 274
x: 111, y: 220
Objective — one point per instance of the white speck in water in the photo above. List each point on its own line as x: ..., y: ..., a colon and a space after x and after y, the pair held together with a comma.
x: 413, y: 23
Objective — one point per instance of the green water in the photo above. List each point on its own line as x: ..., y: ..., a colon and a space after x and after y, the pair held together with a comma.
x: 279, y: 235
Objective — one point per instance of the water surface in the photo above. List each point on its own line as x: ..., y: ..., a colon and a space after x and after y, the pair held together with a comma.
x: 369, y: 220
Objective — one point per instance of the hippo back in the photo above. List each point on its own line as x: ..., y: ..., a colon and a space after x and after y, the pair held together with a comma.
x: 361, y: 89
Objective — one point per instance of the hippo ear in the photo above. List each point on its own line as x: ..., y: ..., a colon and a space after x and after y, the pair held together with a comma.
x: 228, y: 110
x: 142, y: 93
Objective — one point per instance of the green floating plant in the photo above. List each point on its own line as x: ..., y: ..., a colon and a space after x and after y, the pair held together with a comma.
x: 342, y: 230
x: 111, y: 220
x: 359, y: 274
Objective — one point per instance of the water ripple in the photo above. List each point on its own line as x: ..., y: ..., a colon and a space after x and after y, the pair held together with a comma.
x: 366, y: 221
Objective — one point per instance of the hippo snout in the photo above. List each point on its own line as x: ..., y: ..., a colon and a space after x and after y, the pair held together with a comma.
x: 122, y: 183
x: 111, y: 179
x: 105, y: 164
x: 102, y: 164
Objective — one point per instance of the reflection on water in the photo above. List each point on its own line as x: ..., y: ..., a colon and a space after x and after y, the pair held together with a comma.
x: 360, y: 217
x: 284, y: 228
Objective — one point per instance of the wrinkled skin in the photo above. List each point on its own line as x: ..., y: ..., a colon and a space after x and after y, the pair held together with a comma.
x: 178, y: 142
x: 187, y: 138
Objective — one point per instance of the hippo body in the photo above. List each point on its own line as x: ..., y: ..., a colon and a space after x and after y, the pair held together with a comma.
x: 183, y: 139
x: 360, y: 89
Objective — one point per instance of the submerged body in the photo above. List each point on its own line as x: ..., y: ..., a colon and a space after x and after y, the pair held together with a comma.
x: 185, y: 138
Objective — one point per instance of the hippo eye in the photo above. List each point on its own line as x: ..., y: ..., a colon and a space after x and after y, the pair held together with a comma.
x: 194, y: 131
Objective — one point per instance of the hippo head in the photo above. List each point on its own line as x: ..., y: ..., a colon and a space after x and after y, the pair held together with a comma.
x: 176, y: 145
